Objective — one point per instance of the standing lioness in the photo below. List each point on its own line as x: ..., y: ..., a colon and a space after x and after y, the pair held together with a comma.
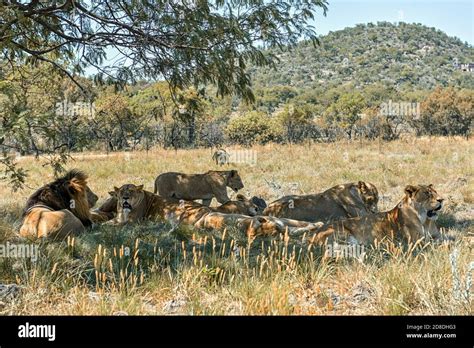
x: 198, y: 186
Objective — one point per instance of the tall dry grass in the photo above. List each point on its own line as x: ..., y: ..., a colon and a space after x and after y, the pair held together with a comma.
x: 154, y: 268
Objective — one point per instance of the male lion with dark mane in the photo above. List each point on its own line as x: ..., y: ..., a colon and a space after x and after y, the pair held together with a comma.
x: 405, y: 222
x: 198, y: 186
x: 338, y: 202
x: 60, y: 208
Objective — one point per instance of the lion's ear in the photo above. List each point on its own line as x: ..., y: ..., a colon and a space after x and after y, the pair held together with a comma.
x: 112, y: 193
x: 116, y: 189
x: 233, y: 173
x: 241, y: 197
x: 430, y: 185
x: 362, y: 186
x: 139, y: 187
x: 410, y: 190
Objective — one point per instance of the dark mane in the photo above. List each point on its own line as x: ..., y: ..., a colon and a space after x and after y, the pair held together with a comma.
x: 58, y: 194
x: 73, y: 174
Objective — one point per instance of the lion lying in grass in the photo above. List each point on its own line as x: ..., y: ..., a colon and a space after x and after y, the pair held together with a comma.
x: 253, y: 226
x: 135, y: 204
x: 338, y: 202
x: 169, y: 208
x: 60, y: 208
x: 405, y: 222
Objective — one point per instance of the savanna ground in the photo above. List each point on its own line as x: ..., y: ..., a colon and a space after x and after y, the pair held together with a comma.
x: 180, y: 271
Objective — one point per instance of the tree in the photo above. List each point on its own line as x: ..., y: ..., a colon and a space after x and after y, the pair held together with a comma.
x: 446, y: 111
x: 189, y: 107
x: 114, y: 123
x: 186, y: 42
x: 345, y: 112
x: 296, y: 121
x: 253, y: 127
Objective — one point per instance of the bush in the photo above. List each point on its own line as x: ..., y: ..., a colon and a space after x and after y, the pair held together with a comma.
x: 446, y: 111
x: 253, y: 128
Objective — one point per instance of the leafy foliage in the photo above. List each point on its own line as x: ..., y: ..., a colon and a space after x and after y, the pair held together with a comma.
x: 253, y: 128
x: 402, y: 55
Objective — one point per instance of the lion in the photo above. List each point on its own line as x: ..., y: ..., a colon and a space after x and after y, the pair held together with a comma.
x: 260, y: 203
x: 338, y: 202
x: 405, y: 222
x: 172, y: 208
x: 221, y: 157
x: 253, y: 226
x: 106, y: 211
x: 198, y: 186
x: 60, y: 208
x: 241, y: 206
x: 134, y: 204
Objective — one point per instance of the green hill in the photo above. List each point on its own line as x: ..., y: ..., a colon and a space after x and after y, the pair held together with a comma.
x: 401, y: 55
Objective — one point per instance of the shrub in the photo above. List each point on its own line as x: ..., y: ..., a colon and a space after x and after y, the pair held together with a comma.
x: 253, y: 128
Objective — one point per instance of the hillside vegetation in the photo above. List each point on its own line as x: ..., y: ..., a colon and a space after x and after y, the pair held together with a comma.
x: 402, y: 55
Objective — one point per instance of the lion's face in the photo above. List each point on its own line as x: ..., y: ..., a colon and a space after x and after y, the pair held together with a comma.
x: 426, y: 200
x: 92, y: 198
x: 369, y: 195
x: 234, y: 181
x: 246, y: 206
x: 128, y: 196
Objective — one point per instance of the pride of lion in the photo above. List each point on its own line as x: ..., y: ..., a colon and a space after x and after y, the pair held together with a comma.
x: 346, y: 212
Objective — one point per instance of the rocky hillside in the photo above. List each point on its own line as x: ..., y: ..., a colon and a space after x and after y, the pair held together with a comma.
x: 401, y: 55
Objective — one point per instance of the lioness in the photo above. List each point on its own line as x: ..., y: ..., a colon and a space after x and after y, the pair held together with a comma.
x: 253, y: 226
x: 134, y: 204
x: 172, y: 208
x: 198, y: 186
x: 247, y: 225
x: 338, y: 202
x: 241, y: 206
x: 404, y: 222
x: 60, y: 208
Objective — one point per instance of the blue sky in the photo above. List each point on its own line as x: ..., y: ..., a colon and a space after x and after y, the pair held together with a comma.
x: 455, y: 17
